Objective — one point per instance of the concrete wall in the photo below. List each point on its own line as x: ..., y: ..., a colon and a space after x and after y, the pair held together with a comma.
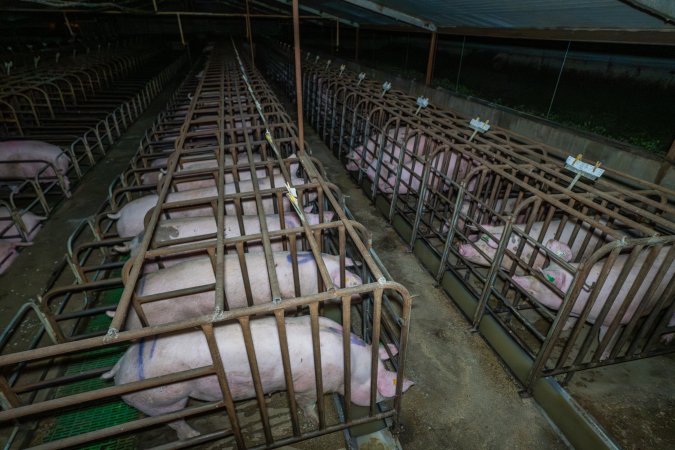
x: 613, y: 154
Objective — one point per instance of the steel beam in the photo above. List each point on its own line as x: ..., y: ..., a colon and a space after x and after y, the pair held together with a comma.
x: 663, y: 9
x: 627, y: 36
x: 321, y: 14
x: 394, y: 14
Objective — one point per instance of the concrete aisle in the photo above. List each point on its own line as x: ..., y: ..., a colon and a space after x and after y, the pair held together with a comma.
x: 29, y: 274
x: 463, y: 397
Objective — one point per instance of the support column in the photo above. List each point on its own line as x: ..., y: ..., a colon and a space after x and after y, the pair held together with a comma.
x: 249, y: 33
x: 298, y: 78
x: 432, y: 57
x: 180, y: 29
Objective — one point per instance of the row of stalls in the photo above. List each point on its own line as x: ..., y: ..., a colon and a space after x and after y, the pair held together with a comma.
x: 537, y: 247
x: 222, y: 267
x: 62, y: 108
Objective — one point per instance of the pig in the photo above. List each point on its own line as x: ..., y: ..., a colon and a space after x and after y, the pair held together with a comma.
x: 131, y: 216
x: 562, y: 279
x: 411, y: 175
x: 371, y: 173
x: 9, y: 231
x: 24, y: 160
x: 485, y: 218
x: 171, y: 229
x: 199, y: 271
x: 488, y: 245
x: 169, y: 354
x: 9, y: 252
x: 244, y: 174
x: 161, y: 163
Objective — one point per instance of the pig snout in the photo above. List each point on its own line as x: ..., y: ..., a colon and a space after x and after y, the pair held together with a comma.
x: 352, y: 166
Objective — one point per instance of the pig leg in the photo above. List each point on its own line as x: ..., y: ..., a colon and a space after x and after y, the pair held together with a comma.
x: 307, y: 402
x: 610, y: 345
x: 150, y: 405
x: 569, y: 324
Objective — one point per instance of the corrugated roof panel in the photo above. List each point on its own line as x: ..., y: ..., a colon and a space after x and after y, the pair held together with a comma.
x: 506, y: 13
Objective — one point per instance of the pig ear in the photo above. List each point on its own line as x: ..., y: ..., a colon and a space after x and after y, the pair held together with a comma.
x: 383, y: 351
x: 386, y: 383
x: 351, y: 263
x: 562, y: 250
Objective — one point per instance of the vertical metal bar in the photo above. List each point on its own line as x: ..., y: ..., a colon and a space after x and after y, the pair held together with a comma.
x: 347, y: 364
x: 555, y: 90
x: 318, y: 372
x: 430, y: 60
x: 337, y: 36
x: 249, y: 32
x: 298, y: 79
x: 224, y: 385
x: 461, y: 59
x: 180, y: 29
x: 288, y: 374
x: 257, y: 380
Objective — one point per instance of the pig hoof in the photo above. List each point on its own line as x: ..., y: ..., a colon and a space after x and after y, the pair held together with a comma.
x: 310, y: 414
x: 183, y: 430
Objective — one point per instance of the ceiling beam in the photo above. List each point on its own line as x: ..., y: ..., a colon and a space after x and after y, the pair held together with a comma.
x: 320, y: 13
x: 614, y: 36
x: 394, y: 14
x: 663, y: 9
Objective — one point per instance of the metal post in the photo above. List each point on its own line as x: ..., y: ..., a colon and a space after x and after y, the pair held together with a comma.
x: 180, y: 29
x: 298, y: 79
x: 430, y: 61
x: 562, y: 66
x: 459, y: 69
x: 249, y: 32
x: 356, y: 46
x: 70, y: 30
x: 337, y: 36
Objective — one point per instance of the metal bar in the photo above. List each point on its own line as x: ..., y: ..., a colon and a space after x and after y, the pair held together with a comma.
x: 430, y: 60
x: 298, y: 78
x: 555, y: 90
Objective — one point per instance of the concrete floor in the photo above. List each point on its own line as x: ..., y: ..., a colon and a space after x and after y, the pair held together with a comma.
x: 463, y: 397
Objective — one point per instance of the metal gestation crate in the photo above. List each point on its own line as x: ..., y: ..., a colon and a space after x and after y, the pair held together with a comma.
x: 84, y: 141
x: 311, y: 272
x: 465, y: 193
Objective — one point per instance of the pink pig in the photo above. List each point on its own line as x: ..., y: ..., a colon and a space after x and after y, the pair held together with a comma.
x: 562, y: 279
x: 170, y: 354
x: 131, y: 216
x: 24, y: 160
